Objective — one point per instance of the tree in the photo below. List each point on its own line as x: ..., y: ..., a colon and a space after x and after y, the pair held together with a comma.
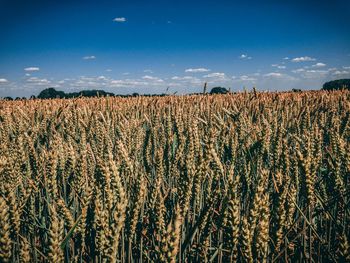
x: 218, y: 90
x: 51, y: 93
x: 337, y: 84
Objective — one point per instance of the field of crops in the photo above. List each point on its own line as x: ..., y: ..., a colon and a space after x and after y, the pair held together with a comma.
x: 240, y: 177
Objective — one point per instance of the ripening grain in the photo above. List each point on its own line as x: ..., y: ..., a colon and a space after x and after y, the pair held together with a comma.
x: 241, y: 177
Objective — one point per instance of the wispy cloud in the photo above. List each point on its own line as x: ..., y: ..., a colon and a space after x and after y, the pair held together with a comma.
x: 277, y: 77
x: 244, y: 56
x: 278, y: 66
x: 215, y: 75
x: 185, y: 81
x: 89, y: 57
x: 183, y: 78
x: 319, y: 65
x: 131, y: 83
x: 303, y: 59
x: 317, y: 71
x: 273, y: 74
x: 246, y: 78
x: 314, y: 74
x: 197, y: 70
x: 119, y: 19
x: 341, y: 72
x: 101, y: 78
x: 148, y: 71
x: 156, y: 79
x: 286, y: 58
x: 32, y: 69
x: 299, y: 70
x: 2, y: 81
x: 38, y: 81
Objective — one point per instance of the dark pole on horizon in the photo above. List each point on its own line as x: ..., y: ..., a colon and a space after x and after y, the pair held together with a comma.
x: 205, y: 88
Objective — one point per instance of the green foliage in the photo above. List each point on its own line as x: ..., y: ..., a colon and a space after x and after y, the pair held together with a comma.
x: 51, y: 93
x: 337, y: 84
x: 218, y: 90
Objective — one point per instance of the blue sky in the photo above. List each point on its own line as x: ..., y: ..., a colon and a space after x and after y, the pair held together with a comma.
x: 147, y: 46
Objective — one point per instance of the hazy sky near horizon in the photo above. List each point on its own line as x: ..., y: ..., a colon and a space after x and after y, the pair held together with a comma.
x: 149, y: 46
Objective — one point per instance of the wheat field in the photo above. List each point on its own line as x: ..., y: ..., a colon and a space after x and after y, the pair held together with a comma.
x: 246, y: 177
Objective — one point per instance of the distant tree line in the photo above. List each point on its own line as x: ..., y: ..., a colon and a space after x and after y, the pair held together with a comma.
x: 337, y: 84
x: 51, y: 93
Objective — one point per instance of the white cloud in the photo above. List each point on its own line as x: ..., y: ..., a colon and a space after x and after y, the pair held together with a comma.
x: 286, y: 58
x: 303, y: 59
x: 314, y: 74
x: 185, y: 81
x: 246, y: 78
x: 38, y: 81
x: 32, y: 69
x: 119, y: 19
x: 146, y: 81
x: 183, y: 78
x: 109, y: 70
x: 216, y: 78
x: 343, y: 72
x: 317, y: 71
x: 148, y: 71
x: 273, y: 74
x: 279, y: 76
x: 215, y: 75
x: 299, y: 70
x: 149, y: 77
x: 89, y: 57
x: 196, y: 70
x: 319, y: 65
x: 245, y: 56
x: 3, y: 81
x: 346, y: 67
x: 156, y: 79
x: 120, y: 83
x: 278, y: 66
